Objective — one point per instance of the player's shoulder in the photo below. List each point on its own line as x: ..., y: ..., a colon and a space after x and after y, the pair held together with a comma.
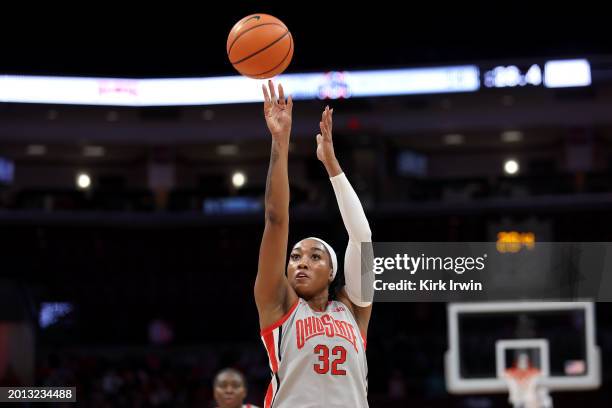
x: 337, y: 306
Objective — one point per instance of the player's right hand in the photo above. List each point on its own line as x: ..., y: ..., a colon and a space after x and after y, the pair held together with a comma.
x: 277, y: 112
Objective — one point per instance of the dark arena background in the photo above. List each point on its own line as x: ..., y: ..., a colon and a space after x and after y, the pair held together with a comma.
x: 129, y: 234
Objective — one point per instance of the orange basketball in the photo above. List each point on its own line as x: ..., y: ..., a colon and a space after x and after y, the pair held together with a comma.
x: 260, y: 46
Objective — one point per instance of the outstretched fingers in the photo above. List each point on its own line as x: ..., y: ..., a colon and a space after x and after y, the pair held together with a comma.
x: 281, y: 95
x: 325, y: 124
x: 272, y: 92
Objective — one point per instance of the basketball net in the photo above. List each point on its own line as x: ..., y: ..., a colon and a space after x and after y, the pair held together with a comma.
x: 525, y: 389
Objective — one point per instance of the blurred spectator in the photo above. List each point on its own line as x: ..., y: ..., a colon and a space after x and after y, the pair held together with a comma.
x: 230, y: 389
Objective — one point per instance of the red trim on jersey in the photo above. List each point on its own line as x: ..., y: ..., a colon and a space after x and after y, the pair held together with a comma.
x: 268, y: 339
x: 280, y: 321
x: 268, y: 400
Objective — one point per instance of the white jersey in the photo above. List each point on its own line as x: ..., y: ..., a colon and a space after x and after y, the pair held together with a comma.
x: 317, y: 359
x: 523, y: 387
x: 250, y: 406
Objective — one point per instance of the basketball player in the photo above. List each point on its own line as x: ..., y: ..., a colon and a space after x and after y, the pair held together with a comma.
x: 525, y: 390
x: 316, y: 347
x: 230, y: 389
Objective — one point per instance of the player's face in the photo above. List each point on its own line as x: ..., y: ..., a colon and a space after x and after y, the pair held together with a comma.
x: 230, y: 391
x: 309, y: 269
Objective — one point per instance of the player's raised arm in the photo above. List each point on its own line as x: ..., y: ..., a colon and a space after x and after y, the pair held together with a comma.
x: 354, y: 294
x: 273, y: 294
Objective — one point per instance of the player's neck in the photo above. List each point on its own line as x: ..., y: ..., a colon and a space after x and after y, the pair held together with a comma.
x: 319, y: 302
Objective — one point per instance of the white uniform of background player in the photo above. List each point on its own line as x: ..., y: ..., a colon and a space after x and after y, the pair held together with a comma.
x: 525, y: 389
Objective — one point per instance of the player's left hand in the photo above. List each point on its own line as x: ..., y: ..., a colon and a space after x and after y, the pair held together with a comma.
x: 325, y: 144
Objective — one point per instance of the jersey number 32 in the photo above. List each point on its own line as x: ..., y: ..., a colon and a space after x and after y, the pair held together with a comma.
x: 338, y: 354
